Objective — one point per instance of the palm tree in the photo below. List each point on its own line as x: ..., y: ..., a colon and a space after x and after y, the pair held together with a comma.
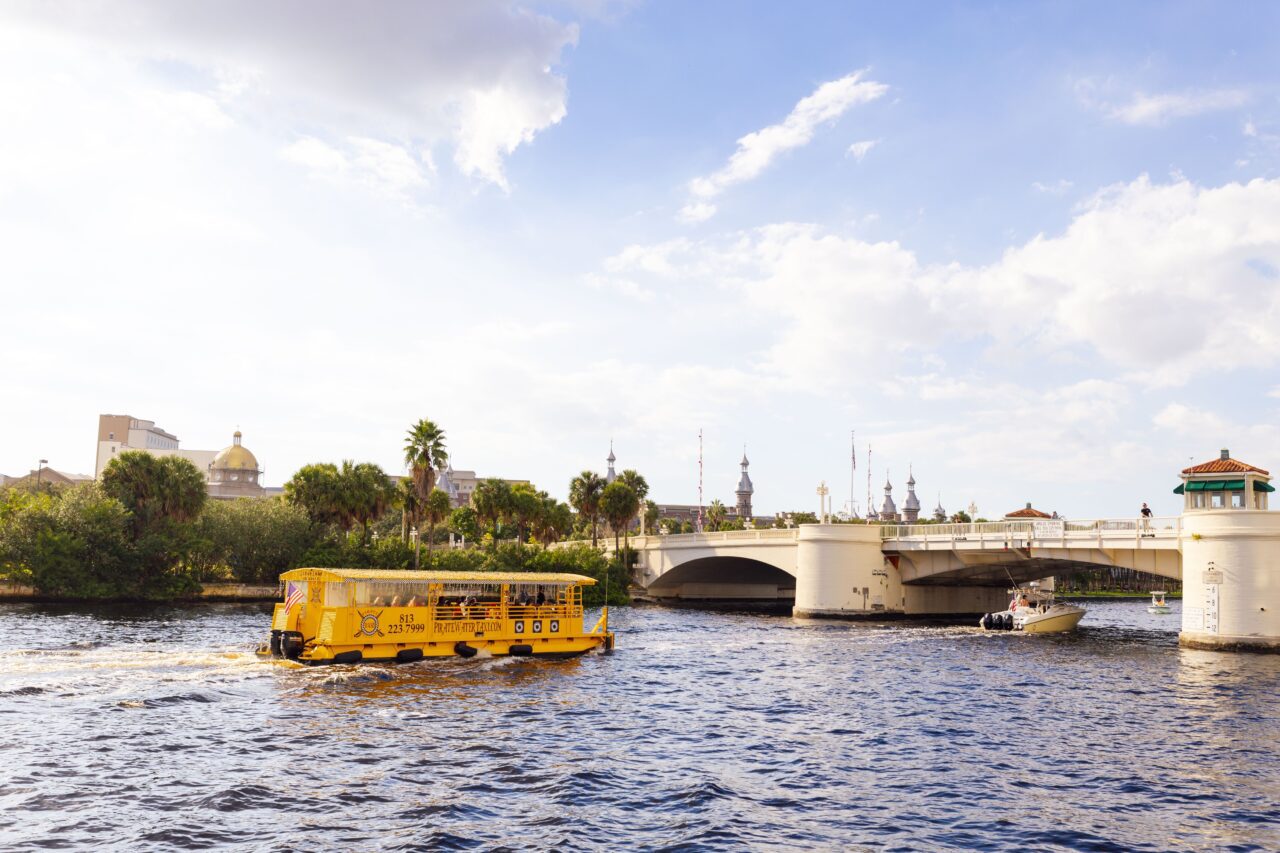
x: 619, y: 505
x: 554, y: 520
x: 492, y: 503
x: 524, y: 507
x: 409, y: 509
x: 315, y: 489
x: 154, y: 488
x: 365, y: 493
x: 424, y: 453
x: 437, y: 510
x: 716, y: 514
x: 584, y: 496
x: 638, y: 485
x: 651, y: 515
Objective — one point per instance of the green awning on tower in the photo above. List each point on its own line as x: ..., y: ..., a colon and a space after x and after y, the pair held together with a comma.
x: 1178, y: 490
x: 1213, y: 486
x: 1259, y: 486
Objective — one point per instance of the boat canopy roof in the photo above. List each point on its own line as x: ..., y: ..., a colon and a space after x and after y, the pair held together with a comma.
x: 339, y: 575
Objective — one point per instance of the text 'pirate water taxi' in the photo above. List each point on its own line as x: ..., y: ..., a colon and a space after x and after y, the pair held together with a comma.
x: 352, y: 615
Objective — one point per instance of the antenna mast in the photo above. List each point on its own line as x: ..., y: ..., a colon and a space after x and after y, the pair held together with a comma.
x: 868, y: 480
x: 699, y: 480
x: 853, y: 467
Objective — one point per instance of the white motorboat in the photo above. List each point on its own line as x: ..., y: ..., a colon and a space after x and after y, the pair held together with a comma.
x: 1034, y: 611
x: 1158, y: 604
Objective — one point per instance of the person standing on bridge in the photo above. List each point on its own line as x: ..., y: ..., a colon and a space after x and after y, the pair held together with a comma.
x: 1146, y: 517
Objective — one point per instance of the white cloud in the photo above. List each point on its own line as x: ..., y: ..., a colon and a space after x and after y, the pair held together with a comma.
x: 1157, y: 281
x: 386, y: 168
x: 697, y: 211
x: 759, y: 148
x: 1158, y: 109
x: 1058, y: 187
x: 478, y: 76
x: 858, y: 150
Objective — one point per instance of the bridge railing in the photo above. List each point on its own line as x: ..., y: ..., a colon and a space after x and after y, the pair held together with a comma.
x: 767, y: 533
x: 1047, y: 529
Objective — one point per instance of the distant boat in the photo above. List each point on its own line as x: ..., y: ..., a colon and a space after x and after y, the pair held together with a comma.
x: 1158, y: 604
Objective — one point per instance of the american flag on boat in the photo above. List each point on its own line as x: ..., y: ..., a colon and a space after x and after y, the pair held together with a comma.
x: 293, y: 594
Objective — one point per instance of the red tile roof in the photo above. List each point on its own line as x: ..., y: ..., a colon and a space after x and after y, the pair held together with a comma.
x: 1224, y: 466
x: 1027, y: 512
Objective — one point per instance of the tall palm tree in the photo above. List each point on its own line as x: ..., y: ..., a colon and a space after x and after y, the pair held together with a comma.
x: 424, y: 453
x: 584, y: 496
x: 619, y: 505
x: 638, y: 485
x: 716, y: 514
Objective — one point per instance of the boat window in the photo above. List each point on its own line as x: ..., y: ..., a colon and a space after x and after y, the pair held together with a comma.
x: 391, y: 593
x: 337, y: 594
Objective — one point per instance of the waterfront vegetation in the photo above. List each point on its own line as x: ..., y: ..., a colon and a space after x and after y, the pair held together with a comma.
x: 147, y: 530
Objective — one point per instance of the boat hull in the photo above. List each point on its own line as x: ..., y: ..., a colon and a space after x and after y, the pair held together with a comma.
x: 1159, y: 609
x: 1052, y: 623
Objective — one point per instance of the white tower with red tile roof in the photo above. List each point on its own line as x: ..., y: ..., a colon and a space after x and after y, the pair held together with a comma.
x: 1230, y: 543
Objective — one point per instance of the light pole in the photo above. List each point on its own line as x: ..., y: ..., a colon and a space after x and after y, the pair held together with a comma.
x: 823, y: 491
x: 417, y: 546
x: 40, y: 472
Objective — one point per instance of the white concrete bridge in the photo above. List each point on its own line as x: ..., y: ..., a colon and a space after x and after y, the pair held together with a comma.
x: 858, y: 570
x: 756, y: 564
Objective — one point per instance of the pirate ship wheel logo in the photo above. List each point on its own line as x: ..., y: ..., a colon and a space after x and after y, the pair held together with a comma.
x: 368, y: 625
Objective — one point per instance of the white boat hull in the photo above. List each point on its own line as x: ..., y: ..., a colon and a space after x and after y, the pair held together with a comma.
x: 1155, y: 609
x: 1056, y: 621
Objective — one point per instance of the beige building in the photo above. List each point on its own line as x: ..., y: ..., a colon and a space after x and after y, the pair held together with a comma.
x: 460, y: 485
x: 232, y: 472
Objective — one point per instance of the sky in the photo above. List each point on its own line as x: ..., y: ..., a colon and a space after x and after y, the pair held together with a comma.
x: 1027, y: 251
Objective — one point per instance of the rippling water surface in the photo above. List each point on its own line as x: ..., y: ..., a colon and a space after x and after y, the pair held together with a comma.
x: 157, y: 729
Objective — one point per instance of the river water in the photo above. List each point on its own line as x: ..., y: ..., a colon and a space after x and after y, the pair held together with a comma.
x: 158, y: 729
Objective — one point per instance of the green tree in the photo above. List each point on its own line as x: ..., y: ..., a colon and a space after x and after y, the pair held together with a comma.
x: 154, y: 489
x: 651, y: 515
x: 584, y: 495
x: 77, y: 543
x: 424, y: 453
x: 554, y: 520
x: 638, y: 485
x: 618, y: 504
x: 716, y: 514
x: 492, y: 503
x: 364, y: 493
x: 525, y: 504
x: 436, y: 512
x: 256, y: 539
x: 463, y: 521
x: 316, y: 489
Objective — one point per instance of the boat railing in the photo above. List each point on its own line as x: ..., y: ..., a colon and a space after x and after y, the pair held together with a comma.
x: 493, y: 610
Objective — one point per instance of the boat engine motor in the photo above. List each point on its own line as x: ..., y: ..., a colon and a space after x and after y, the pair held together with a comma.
x: 290, y: 644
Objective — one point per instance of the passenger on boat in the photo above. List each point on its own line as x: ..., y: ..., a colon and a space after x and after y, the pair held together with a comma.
x: 395, y: 602
x: 379, y: 601
x: 542, y: 598
x: 413, y: 602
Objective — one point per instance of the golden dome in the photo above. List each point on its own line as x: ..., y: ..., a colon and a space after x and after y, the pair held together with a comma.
x: 235, y: 457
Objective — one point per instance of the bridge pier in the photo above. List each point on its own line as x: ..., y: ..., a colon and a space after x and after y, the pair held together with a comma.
x: 1231, y: 580
x: 842, y: 572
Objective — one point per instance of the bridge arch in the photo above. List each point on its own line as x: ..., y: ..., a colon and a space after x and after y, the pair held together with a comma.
x: 725, y: 579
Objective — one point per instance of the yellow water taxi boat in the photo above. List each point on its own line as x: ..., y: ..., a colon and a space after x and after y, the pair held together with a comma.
x: 353, y: 615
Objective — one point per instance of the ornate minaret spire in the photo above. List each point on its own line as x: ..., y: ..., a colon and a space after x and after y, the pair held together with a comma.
x: 911, y: 506
x: 611, y: 475
x: 745, y: 489
x: 889, y: 511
